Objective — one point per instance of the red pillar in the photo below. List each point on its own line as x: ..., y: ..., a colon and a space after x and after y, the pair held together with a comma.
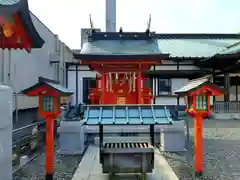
x: 103, y: 88
x: 49, y: 148
x: 198, y: 145
x: 139, y: 87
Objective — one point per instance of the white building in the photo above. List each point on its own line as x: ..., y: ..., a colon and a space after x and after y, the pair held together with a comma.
x: 21, y: 70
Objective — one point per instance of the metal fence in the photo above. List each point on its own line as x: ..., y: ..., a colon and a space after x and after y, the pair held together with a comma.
x: 226, y: 107
x: 26, y: 140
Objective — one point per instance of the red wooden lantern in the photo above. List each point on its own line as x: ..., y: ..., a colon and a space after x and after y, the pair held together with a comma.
x: 197, y: 94
x: 49, y: 93
x: 16, y: 27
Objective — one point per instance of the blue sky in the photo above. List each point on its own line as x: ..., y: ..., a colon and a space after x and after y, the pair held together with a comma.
x: 66, y: 18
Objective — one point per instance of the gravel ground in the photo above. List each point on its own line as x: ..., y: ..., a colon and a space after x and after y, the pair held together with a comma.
x: 65, y: 167
x: 221, y: 152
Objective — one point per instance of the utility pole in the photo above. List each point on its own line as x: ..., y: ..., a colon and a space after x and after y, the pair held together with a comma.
x: 111, y: 8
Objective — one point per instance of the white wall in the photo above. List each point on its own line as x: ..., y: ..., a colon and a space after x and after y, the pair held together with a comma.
x: 72, y: 81
x: 232, y: 94
x: 171, y: 65
x: 21, y: 70
x: 176, y: 84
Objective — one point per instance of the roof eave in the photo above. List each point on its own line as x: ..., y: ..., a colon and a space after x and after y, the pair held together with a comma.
x: 12, y: 8
x: 120, y: 56
x: 22, y: 10
x: 37, y: 41
x: 153, y: 35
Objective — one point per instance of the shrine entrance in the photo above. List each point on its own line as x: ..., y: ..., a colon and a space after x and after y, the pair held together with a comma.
x: 121, y: 83
x: 121, y: 88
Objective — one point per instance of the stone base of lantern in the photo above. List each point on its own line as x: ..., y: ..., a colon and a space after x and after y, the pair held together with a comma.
x: 172, y: 138
x: 71, y: 138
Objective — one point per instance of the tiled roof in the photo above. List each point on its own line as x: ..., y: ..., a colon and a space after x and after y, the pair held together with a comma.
x: 121, y: 47
x: 51, y: 84
x: 126, y: 114
x: 59, y: 88
x: 20, y: 7
x: 8, y: 2
x: 193, y: 47
x: 175, y: 47
x: 192, y: 85
x: 199, y: 83
x: 233, y: 49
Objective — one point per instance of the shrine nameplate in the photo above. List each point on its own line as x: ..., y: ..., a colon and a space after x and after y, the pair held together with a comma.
x: 121, y: 100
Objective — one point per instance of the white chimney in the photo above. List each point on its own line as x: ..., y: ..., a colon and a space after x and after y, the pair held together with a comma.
x: 111, y: 15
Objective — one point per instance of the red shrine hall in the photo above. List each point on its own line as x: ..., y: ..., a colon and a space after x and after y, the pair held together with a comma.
x: 16, y: 27
x: 120, y: 60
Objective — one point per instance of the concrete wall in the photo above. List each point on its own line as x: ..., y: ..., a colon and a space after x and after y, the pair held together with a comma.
x: 22, y: 70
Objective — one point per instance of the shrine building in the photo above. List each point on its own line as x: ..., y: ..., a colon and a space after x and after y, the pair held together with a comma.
x: 163, y: 62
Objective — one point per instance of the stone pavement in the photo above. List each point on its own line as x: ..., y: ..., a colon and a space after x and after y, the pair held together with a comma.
x: 90, y: 168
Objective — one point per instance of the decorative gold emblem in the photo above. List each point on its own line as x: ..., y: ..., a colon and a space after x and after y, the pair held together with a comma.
x: 121, y: 100
x: 44, y: 91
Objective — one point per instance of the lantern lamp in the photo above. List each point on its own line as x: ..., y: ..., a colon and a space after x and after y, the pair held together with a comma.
x: 197, y: 95
x: 49, y: 93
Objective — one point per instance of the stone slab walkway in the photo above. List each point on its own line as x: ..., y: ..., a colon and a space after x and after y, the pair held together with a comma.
x: 90, y: 168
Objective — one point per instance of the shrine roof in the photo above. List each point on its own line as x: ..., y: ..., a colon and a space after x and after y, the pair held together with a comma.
x: 114, y: 49
x: 52, y: 84
x: 21, y: 9
x: 126, y: 115
x: 161, y: 46
x: 195, y: 84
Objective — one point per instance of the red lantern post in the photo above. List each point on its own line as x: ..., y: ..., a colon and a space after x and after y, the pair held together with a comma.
x: 198, y: 93
x: 49, y: 93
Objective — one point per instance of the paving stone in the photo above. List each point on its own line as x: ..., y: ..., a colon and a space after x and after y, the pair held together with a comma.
x: 64, y: 167
x: 221, y: 152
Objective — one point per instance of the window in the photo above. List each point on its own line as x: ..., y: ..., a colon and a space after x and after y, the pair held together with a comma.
x: 164, y: 87
x: 47, y: 104
x: 190, y: 102
x: 201, y: 102
x: 87, y: 84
